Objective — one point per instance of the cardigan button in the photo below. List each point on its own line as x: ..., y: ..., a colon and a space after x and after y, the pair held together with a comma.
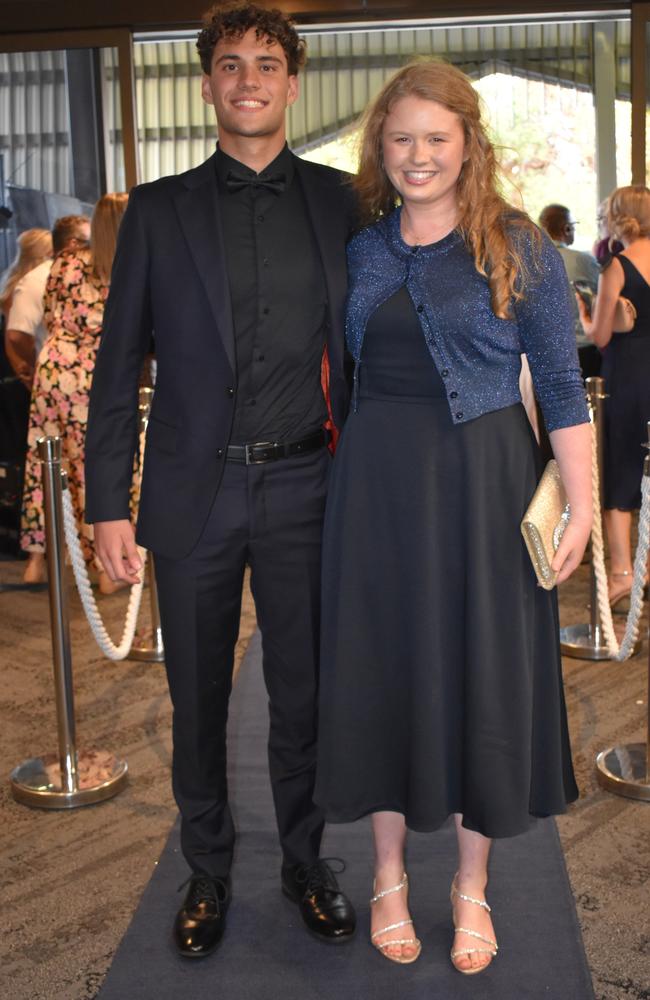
x: 420, y: 308
x: 459, y: 415
x: 445, y: 372
x: 453, y: 395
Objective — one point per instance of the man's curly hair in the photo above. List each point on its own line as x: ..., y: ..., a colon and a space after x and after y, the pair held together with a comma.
x: 234, y: 19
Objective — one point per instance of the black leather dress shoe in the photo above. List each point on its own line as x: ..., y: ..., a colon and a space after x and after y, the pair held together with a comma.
x: 326, y: 911
x: 201, y: 920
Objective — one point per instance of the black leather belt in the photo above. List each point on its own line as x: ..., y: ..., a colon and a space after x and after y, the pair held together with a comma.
x: 271, y: 451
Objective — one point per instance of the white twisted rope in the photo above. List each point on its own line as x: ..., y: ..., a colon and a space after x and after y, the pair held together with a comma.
x: 626, y: 648
x: 80, y: 570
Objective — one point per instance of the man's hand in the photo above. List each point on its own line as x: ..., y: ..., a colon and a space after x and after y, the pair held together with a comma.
x: 26, y: 376
x: 115, y: 544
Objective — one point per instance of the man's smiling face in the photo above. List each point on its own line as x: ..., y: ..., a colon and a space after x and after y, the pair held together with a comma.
x: 249, y: 87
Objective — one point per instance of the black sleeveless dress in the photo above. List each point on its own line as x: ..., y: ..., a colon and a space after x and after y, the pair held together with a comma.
x: 441, y: 687
x: 626, y: 370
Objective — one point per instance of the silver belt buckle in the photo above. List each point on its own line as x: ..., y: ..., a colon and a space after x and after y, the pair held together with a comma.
x: 248, y: 452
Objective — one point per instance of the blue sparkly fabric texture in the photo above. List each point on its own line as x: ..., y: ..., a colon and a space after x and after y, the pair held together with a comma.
x: 477, y: 354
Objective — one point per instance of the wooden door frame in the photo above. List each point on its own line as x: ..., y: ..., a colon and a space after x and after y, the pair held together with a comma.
x: 639, y: 86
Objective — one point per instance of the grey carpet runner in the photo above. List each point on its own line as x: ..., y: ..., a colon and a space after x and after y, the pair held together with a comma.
x: 267, y: 954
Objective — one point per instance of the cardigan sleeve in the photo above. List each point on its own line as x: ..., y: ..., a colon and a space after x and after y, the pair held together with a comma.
x: 546, y: 328
x: 359, y: 251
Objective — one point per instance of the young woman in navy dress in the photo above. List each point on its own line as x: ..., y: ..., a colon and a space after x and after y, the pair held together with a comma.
x: 441, y: 686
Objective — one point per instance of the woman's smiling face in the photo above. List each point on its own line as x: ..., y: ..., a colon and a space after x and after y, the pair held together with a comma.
x: 423, y: 145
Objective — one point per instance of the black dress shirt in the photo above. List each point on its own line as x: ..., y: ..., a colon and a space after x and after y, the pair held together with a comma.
x: 279, y: 304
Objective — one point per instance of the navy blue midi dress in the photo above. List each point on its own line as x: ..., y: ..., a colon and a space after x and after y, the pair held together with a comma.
x: 441, y: 686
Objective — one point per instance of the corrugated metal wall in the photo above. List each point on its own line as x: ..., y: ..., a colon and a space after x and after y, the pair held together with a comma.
x: 34, y: 120
x: 344, y: 71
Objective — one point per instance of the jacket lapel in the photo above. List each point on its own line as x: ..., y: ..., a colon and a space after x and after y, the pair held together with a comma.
x: 198, y: 210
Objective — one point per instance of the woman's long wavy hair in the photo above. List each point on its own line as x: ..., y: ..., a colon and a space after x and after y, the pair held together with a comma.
x: 104, y: 227
x: 34, y: 246
x: 628, y: 212
x: 487, y: 222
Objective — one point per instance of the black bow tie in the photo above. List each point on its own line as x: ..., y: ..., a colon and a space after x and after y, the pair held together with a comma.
x: 274, y: 182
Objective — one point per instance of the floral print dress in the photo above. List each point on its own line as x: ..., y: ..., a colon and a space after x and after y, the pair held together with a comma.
x: 74, y: 311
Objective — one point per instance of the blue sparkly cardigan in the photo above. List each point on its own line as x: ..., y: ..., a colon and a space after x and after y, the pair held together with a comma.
x: 476, y: 354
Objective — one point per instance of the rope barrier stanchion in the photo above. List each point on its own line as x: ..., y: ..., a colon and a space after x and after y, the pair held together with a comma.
x: 72, y: 778
x: 625, y: 769
x: 586, y: 641
x: 630, y: 643
x: 148, y: 643
x: 80, y: 570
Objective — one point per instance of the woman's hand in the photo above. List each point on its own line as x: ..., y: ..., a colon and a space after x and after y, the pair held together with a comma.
x: 572, y: 545
x: 572, y: 449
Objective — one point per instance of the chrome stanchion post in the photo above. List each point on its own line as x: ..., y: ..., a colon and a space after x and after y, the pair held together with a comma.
x: 145, y: 400
x: 79, y: 779
x: 625, y: 770
x: 49, y: 451
x: 148, y: 643
x: 586, y: 641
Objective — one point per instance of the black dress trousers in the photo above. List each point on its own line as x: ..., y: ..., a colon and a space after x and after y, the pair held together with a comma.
x: 269, y: 516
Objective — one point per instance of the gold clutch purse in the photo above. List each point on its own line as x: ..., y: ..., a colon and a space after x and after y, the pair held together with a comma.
x: 544, y: 523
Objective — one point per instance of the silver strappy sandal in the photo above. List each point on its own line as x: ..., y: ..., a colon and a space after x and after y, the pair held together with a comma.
x: 492, y: 950
x: 380, y: 945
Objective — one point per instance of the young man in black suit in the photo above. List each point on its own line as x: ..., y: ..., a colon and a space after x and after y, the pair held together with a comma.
x: 238, y: 269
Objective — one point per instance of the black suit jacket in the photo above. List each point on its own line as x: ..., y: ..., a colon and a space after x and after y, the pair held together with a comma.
x: 169, y: 278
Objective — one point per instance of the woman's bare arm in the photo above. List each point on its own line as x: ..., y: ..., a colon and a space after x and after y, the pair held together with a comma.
x: 601, y: 325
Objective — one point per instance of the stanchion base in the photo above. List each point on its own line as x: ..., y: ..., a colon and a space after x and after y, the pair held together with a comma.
x: 624, y: 771
x: 147, y: 646
x: 580, y: 642
x: 37, y: 782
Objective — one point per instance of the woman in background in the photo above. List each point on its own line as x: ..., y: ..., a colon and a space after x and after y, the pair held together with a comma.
x: 34, y: 253
x: 76, y: 293
x: 34, y: 247
x: 440, y: 679
x: 626, y: 370
x: 605, y: 246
